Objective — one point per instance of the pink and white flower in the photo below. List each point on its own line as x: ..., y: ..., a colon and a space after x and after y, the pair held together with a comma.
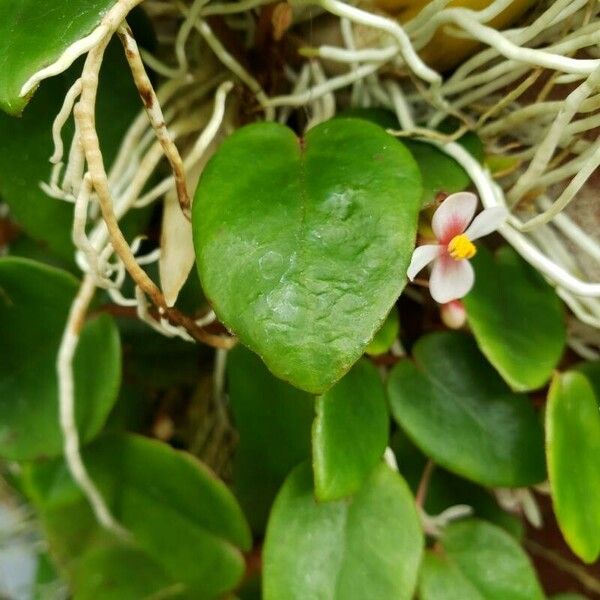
x: 452, y: 274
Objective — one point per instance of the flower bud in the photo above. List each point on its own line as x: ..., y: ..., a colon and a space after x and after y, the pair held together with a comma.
x: 453, y: 314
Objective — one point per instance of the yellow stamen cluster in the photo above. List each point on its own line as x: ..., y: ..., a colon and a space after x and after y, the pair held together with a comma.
x: 461, y: 247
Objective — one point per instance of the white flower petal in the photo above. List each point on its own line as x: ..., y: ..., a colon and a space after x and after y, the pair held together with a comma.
x: 421, y: 257
x: 450, y: 279
x: 453, y: 215
x: 486, y: 221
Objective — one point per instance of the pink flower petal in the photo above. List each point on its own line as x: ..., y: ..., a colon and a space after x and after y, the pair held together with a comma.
x: 486, y: 221
x: 453, y: 216
x: 450, y: 279
x: 421, y: 257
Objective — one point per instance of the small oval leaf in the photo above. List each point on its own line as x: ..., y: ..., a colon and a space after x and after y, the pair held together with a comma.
x: 181, y: 516
x: 516, y: 317
x: 457, y: 409
x: 573, y: 453
x: 34, y: 303
x: 478, y: 561
x: 367, y: 547
x: 303, y: 251
x: 350, y: 432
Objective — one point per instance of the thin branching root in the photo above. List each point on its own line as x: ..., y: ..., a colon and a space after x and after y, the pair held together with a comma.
x: 532, y: 94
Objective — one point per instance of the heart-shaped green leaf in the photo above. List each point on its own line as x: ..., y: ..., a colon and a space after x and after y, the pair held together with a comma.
x: 516, y: 317
x: 181, y: 516
x: 478, y: 561
x: 457, y: 409
x: 367, y: 547
x: 303, y: 244
x: 573, y: 453
x: 34, y: 304
x: 350, y: 432
x: 27, y: 145
x: 273, y: 422
x: 34, y: 34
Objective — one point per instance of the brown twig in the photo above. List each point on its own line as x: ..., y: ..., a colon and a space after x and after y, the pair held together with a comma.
x: 155, y: 116
x: 84, y: 113
x: 575, y: 570
x: 421, y: 494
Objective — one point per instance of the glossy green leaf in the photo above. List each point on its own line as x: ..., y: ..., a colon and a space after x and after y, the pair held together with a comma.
x: 27, y: 146
x: 478, y: 561
x: 573, y: 454
x: 386, y: 336
x: 273, y: 422
x: 459, y: 412
x: 350, y: 432
x: 367, y: 547
x: 516, y: 317
x: 34, y: 304
x: 181, y: 516
x: 304, y: 252
x: 34, y: 35
x: 441, y: 173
